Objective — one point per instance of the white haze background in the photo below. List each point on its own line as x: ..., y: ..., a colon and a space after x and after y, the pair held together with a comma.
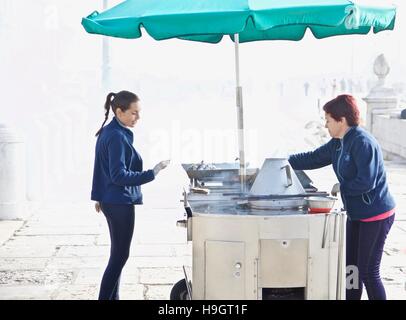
x: 52, y: 92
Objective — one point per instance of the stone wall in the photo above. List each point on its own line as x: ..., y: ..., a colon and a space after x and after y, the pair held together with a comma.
x: 383, y: 114
x: 390, y: 131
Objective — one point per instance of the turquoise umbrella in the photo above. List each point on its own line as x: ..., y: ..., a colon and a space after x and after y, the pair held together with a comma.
x: 243, y: 21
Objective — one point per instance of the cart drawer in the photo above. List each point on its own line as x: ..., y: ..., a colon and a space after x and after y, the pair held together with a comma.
x: 224, y: 270
x: 283, y: 263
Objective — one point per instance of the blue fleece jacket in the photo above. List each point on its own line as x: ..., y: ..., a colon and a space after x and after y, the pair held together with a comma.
x: 118, y: 174
x: 358, y: 164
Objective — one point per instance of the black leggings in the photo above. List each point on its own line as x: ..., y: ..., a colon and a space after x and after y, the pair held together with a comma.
x: 120, y: 218
x: 365, y: 243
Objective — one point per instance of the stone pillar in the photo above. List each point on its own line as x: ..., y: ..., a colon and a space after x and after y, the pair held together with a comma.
x: 381, y: 99
x: 12, y: 174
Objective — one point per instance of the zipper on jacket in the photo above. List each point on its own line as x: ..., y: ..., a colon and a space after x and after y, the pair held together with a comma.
x: 338, y: 171
x: 339, y: 158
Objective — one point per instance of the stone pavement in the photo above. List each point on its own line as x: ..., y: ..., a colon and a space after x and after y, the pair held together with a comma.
x: 61, y: 253
x: 61, y: 250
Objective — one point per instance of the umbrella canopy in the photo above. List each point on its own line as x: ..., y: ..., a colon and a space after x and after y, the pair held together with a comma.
x: 244, y: 21
x: 253, y: 20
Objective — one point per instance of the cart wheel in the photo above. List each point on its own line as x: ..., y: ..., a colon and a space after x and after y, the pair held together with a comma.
x: 179, y: 291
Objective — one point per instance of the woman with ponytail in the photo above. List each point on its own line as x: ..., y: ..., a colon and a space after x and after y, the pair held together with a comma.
x: 117, y: 178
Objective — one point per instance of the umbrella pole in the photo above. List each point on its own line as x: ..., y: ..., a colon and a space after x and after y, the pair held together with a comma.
x: 240, y: 114
x: 105, y: 58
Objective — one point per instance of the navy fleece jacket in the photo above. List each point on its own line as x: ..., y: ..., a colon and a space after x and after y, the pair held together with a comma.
x: 118, y: 174
x: 358, y: 164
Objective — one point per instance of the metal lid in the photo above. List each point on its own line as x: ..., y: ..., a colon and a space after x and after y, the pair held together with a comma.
x: 276, y: 177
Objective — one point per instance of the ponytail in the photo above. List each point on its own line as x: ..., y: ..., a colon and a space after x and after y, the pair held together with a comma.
x: 122, y: 100
x: 107, y: 108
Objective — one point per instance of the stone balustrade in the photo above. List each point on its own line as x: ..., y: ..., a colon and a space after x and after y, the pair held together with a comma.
x: 383, y: 114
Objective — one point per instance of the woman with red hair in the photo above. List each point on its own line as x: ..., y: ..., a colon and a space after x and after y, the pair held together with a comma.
x: 358, y: 164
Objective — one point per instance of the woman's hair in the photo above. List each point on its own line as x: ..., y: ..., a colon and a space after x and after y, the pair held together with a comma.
x: 343, y: 106
x: 121, y: 100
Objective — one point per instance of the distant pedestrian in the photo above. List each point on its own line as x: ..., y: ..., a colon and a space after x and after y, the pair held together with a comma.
x: 306, y: 88
x: 334, y: 87
x: 350, y: 85
x: 117, y: 178
x: 343, y: 85
x: 323, y: 88
x: 359, y: 86
x: 358, y: 164
x: 281, y: 86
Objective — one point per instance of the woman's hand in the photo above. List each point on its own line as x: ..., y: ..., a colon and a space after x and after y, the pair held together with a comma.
x: 160, y: 166
x: 335, y: 190
x: 97, y: 206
